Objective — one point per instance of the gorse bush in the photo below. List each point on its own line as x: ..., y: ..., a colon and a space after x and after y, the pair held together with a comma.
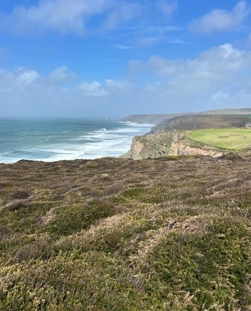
x: 115, y: 234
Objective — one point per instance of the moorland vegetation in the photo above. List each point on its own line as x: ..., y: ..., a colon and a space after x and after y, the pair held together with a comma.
x: 171, y: 233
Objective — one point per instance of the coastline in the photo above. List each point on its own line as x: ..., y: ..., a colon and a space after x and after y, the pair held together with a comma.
x: 55, y: 140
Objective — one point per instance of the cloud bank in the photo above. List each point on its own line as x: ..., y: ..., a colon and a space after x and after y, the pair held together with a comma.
x: 221, y: 20
x: 64, y: 16
x: 216, y: 78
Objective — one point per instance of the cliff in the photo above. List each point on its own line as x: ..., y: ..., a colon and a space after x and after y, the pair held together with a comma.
x: 170, y: 137
x: 157, y: 118
x: 150, y: 118
x: 165, y: 144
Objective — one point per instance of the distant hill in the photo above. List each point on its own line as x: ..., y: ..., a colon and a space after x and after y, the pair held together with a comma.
x: 157, y: 118
x: 190, y: 122
x: 149, y: 118
x: 231, y: 111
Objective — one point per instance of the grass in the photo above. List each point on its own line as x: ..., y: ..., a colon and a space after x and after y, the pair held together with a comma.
x: 234, y: 139
x: 115, y: 234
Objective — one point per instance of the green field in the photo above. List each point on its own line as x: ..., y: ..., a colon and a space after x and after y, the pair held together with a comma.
x: 224, y: 138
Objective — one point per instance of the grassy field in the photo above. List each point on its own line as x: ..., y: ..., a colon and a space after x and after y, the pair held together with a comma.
x: 120, y: 235
x: 225, y: 138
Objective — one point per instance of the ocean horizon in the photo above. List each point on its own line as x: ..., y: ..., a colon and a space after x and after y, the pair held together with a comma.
x: 65, y: 139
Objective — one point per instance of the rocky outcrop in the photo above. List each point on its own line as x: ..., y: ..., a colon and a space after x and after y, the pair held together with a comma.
x: 186, y: 149
x: 167, y: 143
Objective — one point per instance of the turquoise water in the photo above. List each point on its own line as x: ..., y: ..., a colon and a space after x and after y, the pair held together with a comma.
x: 65, y: 139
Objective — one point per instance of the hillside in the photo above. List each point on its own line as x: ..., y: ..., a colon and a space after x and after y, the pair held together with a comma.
x: 170, y: 143
x: 157, y: 118
x: 190, y: 122
x: 149, y: 118
x: 174, y: 137
x: 114, y: 234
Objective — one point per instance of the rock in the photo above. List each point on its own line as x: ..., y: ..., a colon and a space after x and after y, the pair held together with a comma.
x: 167, y: 143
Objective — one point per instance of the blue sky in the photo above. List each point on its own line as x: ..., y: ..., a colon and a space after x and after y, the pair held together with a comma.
x: 111, y: 58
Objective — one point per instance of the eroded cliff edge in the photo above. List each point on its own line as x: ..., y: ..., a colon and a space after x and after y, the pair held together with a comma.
x: 165, y: 144
x: 171, y: 136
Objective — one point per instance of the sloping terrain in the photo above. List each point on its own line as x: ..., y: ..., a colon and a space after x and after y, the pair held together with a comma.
x: 157, y: 118
x: 191, y: 122
x: 172, y: 233
x: 176, y: 136
x: 150, y: 118
x: 168, y: 143
x: 234, y: 139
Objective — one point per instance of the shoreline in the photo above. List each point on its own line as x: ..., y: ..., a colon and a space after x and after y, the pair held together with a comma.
x: 105, y: 138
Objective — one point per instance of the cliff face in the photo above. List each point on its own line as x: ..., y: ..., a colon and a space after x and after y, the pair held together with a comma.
x: 150, y: 118
x: 167, y: 143
x: 189, y: 120
x: 170, y: 137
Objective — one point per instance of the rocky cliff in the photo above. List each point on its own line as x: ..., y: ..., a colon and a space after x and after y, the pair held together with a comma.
x: 150, y: 118
x: 157, y: 118
x: 167, y: 143
x: 170, y: 136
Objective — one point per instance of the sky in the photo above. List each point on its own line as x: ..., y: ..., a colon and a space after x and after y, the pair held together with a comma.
x: 112, y: 58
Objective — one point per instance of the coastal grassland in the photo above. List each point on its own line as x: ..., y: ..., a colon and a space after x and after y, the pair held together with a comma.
x: 234, y: 139
x: 114, y: 234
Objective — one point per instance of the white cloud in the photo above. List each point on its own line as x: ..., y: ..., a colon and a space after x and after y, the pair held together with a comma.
x: 84, y: 17
x: 92, y: 89
x: 26, y: 92
x: 122, y: 13
x: 167, y: 7
x: 96, y: 89
x: 156, y: 34
x: 28, y: 77
x: 7, y: 81
x: 221, y: 20
x: 149, y: 40
x: 115, y: 85
x: 160, y: 30
x: 214, y: 62
x: 217, y: 78
x: 57, y: 15
x: 61, y: 75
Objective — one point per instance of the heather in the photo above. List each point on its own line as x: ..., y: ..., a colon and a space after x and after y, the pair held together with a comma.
x: 171, y: 233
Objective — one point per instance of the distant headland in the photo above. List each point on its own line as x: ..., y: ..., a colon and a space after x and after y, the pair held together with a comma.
x: 156, y: 118
x: 172, y: 134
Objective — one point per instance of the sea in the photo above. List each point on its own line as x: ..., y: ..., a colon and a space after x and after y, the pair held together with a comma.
x: 66, y: 139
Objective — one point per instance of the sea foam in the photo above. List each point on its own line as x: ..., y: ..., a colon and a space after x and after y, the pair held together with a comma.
x: 53, y: 140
